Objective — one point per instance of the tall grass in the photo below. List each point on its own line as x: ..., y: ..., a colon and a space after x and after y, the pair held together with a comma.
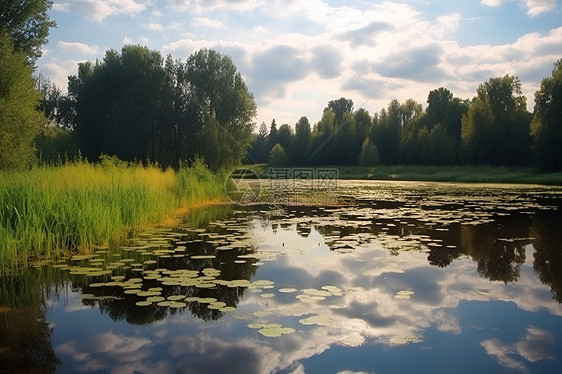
x: 49, y: 210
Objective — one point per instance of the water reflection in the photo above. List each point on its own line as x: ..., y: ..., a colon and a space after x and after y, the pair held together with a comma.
x: 25, y: 345
x: 399, y: 270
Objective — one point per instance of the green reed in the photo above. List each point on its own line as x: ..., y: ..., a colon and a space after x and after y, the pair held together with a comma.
x: 49, y: 210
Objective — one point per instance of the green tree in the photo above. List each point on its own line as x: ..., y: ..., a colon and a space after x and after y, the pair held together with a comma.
x: 547, y: 121
x: 27, y: 23
x: 278, y: 156
x: 301, y: 144
x: 322, y: 141
x: 369, y: 154
x: 59, y: 108
x: 341, y: 106
x: 228, y: 107
x: 272, y: 137
x: 478, y: 133
x: 285, y: 137
x: 344, y: 141
x: 134, y: 106
x: 20, y: 121
x: 117, y: 104
x: 441, y: 146
x: 438, y: 100
x: 509, y: 131
x: 258, y: 153
x: 447, y: 110
x: 389, y: 127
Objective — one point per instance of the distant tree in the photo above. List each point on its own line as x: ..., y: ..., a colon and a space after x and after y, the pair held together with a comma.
x: 27, y: 24
x: 547, y: 121
x: 259, y: 152
x: 301, y: 144
x: 495, y: 129
x: 369, y: 154
x: 278, y: 156
x: 386, y: 133
x: 441, y: 146
x: 408, y: 111
x: 117, y: 104
x: 20, y: 121
x: 444, y: 109
x: 285, y: 137
x: 59, y: 109
x: 438, y: 101
x: 134, y: 106
x: 322, y: 141
x: 478, y: 135
x: 341, y: 106
x: 272, y: 137
x: 363, y: 123
x: 56, y: 144
x: 510, y: 130
x: 228, y: 107
x: 344, y: 140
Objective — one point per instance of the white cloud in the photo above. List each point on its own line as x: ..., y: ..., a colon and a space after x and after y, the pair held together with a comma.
x: 153, y: 26
x: 536, y: 345
x: 206, y: 22
x: 76, y: 47
x: 493, y: 3
x: 97, y: 10
x: 58, y: 71
x: 448, y: 23
x: 534, y: 7
x: 203, y: 6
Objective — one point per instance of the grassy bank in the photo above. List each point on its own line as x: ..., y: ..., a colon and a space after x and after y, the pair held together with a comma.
x: 49, y: 210
x: 464, y: 174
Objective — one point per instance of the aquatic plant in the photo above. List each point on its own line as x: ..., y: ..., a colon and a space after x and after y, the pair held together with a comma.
x: 50, y: 210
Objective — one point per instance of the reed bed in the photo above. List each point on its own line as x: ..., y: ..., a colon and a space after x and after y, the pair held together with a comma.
x: 49, y: 211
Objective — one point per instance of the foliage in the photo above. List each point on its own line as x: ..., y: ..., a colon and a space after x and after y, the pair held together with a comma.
x: 496, y: 127
x: 27, y: 24
x: 369, y: 154
x: 301, y: 142
x: 133, y: 105
x: 19, y: 120
x: 56, y: 145
x: 547, y: 121
x: 74, y: 206
x: 278, y: 156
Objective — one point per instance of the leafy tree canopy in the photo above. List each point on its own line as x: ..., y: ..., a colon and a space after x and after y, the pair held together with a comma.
x: 27, y: 23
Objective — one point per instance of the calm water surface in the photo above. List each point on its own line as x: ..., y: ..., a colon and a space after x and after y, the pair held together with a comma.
x: 395, y: 277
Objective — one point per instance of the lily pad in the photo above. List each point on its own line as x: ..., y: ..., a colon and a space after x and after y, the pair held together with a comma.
x: 274, y: 332
x: 287, y: 290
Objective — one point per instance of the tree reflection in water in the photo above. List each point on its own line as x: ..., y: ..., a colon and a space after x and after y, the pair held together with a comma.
x: 498, y: 247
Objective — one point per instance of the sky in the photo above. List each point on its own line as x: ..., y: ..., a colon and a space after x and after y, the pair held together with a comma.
x: 297, y: 55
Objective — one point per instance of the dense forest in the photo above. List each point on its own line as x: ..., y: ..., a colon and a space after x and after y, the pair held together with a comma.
x: 139, y: 106
x: 494, y: 128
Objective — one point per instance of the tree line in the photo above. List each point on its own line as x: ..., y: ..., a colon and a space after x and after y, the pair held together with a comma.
x: 133, y: 104
x: 493, y: 128
x: 137, y: 105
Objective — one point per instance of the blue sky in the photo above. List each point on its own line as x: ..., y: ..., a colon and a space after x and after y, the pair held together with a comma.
x: 296, y: 55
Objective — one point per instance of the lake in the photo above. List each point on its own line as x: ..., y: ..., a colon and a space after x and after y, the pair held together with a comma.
x: 371, y: 277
